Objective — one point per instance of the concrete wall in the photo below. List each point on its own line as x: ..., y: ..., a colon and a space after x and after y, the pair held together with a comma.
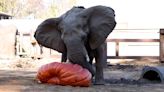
x: 7, y: 41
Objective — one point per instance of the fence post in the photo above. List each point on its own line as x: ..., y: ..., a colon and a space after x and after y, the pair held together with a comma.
x: 161, y: 47
x: 117, y: 48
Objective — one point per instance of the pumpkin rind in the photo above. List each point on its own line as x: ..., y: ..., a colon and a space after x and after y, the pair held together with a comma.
x: 64, y: 74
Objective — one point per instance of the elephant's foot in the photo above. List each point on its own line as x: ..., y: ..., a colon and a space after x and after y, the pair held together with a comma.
x: 99, y: 82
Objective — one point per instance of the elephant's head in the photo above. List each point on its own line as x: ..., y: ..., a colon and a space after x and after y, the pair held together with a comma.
x: 72, y: 31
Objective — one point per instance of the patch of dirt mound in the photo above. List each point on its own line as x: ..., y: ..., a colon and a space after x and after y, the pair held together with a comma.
x: 142, y: 62
x: 23, y: 63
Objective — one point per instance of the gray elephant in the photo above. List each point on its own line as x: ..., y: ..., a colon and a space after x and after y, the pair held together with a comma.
x: 80, y: 35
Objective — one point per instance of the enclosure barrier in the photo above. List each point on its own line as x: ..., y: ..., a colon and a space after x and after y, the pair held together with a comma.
x: 117, y: 41
x: 33, y: 49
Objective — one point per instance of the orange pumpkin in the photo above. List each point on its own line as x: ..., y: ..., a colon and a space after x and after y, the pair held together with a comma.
x: 64, y: 74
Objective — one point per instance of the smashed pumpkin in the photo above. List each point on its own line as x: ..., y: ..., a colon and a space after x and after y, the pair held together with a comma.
x: 64, y: 74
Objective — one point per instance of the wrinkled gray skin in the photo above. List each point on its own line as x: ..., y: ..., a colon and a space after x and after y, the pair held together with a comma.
x: 80, y: 35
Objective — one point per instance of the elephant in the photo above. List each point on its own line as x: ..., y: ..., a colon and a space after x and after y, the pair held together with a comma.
x: 80, y: 34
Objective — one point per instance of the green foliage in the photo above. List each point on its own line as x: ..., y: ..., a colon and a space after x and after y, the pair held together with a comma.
x: 3, y: 7
x: 8, y: 6
x: 52, y: 11
x: 23, y: 8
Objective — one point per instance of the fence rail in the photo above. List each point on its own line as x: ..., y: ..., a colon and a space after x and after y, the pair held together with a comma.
x: 161, y: 47
x: 117, y: 41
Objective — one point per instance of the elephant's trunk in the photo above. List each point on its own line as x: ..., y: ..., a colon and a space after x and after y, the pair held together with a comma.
x: 79, y: 58
x: 77, y: 54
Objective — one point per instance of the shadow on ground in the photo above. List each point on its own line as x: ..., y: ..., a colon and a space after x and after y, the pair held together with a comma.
x: 118, y: 78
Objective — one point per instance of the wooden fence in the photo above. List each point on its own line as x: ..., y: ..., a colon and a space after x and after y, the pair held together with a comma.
x: 117, y: 41
x: 26, y: 46
x: 161, y: 47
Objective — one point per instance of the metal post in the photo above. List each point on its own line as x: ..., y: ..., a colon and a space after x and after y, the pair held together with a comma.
x: 161, y: 47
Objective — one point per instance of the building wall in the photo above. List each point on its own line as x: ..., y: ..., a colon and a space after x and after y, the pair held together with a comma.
x: 5, y: 16
x: 7, y: 41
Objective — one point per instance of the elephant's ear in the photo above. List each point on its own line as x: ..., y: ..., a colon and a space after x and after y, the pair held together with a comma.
x: 101, y: 22
x: 49, y: 35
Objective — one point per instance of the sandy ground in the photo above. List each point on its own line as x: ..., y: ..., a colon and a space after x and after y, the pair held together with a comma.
x: 18, y: 75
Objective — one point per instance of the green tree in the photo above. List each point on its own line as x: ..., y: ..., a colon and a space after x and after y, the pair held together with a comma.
x: 58, y: 7
x: 8, y: 5
x: 33, y: 7
x: 23, y: 8
x: 52, y: 10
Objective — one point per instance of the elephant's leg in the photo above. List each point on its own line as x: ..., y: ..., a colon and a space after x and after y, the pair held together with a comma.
x: 105, y: 65
x: 100, y: 59
x: 64, y: 57
x: 91, y: 56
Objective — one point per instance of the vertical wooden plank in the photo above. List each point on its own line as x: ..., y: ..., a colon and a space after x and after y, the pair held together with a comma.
x: 50, y: 51
x: 117, y: 48
x: 17, y: 44
x: 21, y: 43
x: 41, y: 49
x: 161, y: 47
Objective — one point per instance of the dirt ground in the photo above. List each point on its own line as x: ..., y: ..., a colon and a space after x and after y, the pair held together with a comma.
x: 18, y: 75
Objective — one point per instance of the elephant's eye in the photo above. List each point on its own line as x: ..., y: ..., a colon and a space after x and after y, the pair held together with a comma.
x: 83, y: 36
